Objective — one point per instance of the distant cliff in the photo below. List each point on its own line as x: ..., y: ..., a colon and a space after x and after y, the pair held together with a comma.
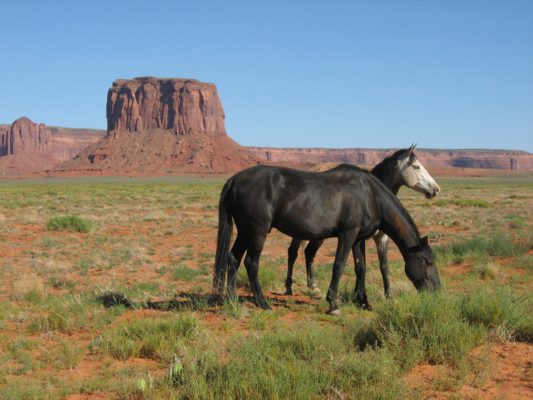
x: 24, y: 136
x: 432, y: 158
x: 27, y: 147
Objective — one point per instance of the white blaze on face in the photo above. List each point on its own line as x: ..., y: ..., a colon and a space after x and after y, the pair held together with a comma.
x: 417, y: 177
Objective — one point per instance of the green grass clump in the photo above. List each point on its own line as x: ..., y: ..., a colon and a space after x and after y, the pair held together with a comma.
x: 61, y: 282
x: 261, y: 320
x: 61, y: 314
x: 308, y: 361
x: 22, y: 390
x: 183, y: 273
x: 70, y: 223
x: 500, y: 245
x: 424, y: 327
x: 516, y: 221
x: 459, y: 202
x: 157, y: 338
x: 502, y: 311
x: 269, y: 276
x: 17, y: 358
x: 71, y: 313
x: 486, y: 270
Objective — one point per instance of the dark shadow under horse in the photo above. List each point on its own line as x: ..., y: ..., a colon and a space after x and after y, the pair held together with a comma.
x: 345, y: 202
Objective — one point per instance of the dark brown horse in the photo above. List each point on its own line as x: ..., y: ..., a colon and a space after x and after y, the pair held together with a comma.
x: 346, y: 202
x: 400, y: 169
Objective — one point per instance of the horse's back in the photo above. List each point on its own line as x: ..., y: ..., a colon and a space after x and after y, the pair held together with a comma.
x: 303, y: 204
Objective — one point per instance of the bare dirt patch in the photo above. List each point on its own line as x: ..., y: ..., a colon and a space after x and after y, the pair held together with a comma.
x: 507, y: 374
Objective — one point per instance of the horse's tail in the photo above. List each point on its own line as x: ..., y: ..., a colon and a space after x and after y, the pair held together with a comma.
x: 225, y: 225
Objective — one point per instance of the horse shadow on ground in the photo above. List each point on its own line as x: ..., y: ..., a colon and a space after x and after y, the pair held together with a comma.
x: 185, y: 301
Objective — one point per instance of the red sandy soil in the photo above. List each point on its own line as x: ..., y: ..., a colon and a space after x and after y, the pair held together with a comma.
x: 510, y: 375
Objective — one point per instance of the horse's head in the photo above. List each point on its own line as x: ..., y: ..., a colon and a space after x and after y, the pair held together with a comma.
x: 420, y: 267
x: 414, y: 174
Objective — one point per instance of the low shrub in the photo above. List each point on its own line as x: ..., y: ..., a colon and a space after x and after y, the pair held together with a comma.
x: 70, y: 223
x: 501, y: 311
x: 70, y: 313
x: 516, y: 221
x: 157, y: 338
x: 422, y: 327
x: 61, y: 314
x: 486, y: 270
x: 499, y: 245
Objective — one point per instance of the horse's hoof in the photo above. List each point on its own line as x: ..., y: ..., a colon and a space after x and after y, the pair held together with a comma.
x: 335, y: 313
x: 316, y: 289
x: 288, y: 292
x: 365, y: 306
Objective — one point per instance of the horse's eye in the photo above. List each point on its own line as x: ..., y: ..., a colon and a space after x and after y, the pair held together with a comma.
x: 416, y: 166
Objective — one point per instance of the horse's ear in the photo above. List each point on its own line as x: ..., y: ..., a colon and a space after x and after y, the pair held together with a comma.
x: 411, y: 151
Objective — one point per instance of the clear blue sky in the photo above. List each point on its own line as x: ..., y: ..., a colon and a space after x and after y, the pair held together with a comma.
x: 443, y: 74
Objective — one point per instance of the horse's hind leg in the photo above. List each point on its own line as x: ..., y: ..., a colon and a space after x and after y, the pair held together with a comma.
x: 359, y: 259
x: 343, y: 249
x: 251, y: 262
x: 310, y: 253
x: 382, y: 244
x: 292, y: 254
x: 235, y: 257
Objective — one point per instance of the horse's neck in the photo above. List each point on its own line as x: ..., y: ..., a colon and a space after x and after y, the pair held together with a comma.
x: 388, y: 177
x: 398, y: 225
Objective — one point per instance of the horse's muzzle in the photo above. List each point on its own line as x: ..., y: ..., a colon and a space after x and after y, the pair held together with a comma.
x: 430, y: 195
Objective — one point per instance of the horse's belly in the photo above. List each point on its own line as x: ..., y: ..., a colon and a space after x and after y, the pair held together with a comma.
x: 303, y: 229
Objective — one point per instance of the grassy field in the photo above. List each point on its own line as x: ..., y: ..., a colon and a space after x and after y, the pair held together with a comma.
x: 105, y: 293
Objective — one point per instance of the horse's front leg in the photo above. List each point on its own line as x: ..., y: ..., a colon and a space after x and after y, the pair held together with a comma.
x: 343, y: 249
x: 359, y: 259
x: 292, y: 254
x: 382, y: 244
x: 310, y: 253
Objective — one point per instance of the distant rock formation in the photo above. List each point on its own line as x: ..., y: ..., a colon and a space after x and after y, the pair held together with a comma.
x: 27, y: 147
x: 24, y: 136
x: 483, y: 159
x: 69, y: 142
x: 161, y: 126
x: 183, y: 106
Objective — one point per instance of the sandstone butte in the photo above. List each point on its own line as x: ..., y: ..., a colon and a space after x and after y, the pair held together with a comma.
x: 28, y: 148
x: 158, y: 126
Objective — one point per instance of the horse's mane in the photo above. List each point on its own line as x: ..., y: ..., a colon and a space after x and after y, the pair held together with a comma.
x: 389, y: 196
x: 387, y: 164
x: 347, y: 167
